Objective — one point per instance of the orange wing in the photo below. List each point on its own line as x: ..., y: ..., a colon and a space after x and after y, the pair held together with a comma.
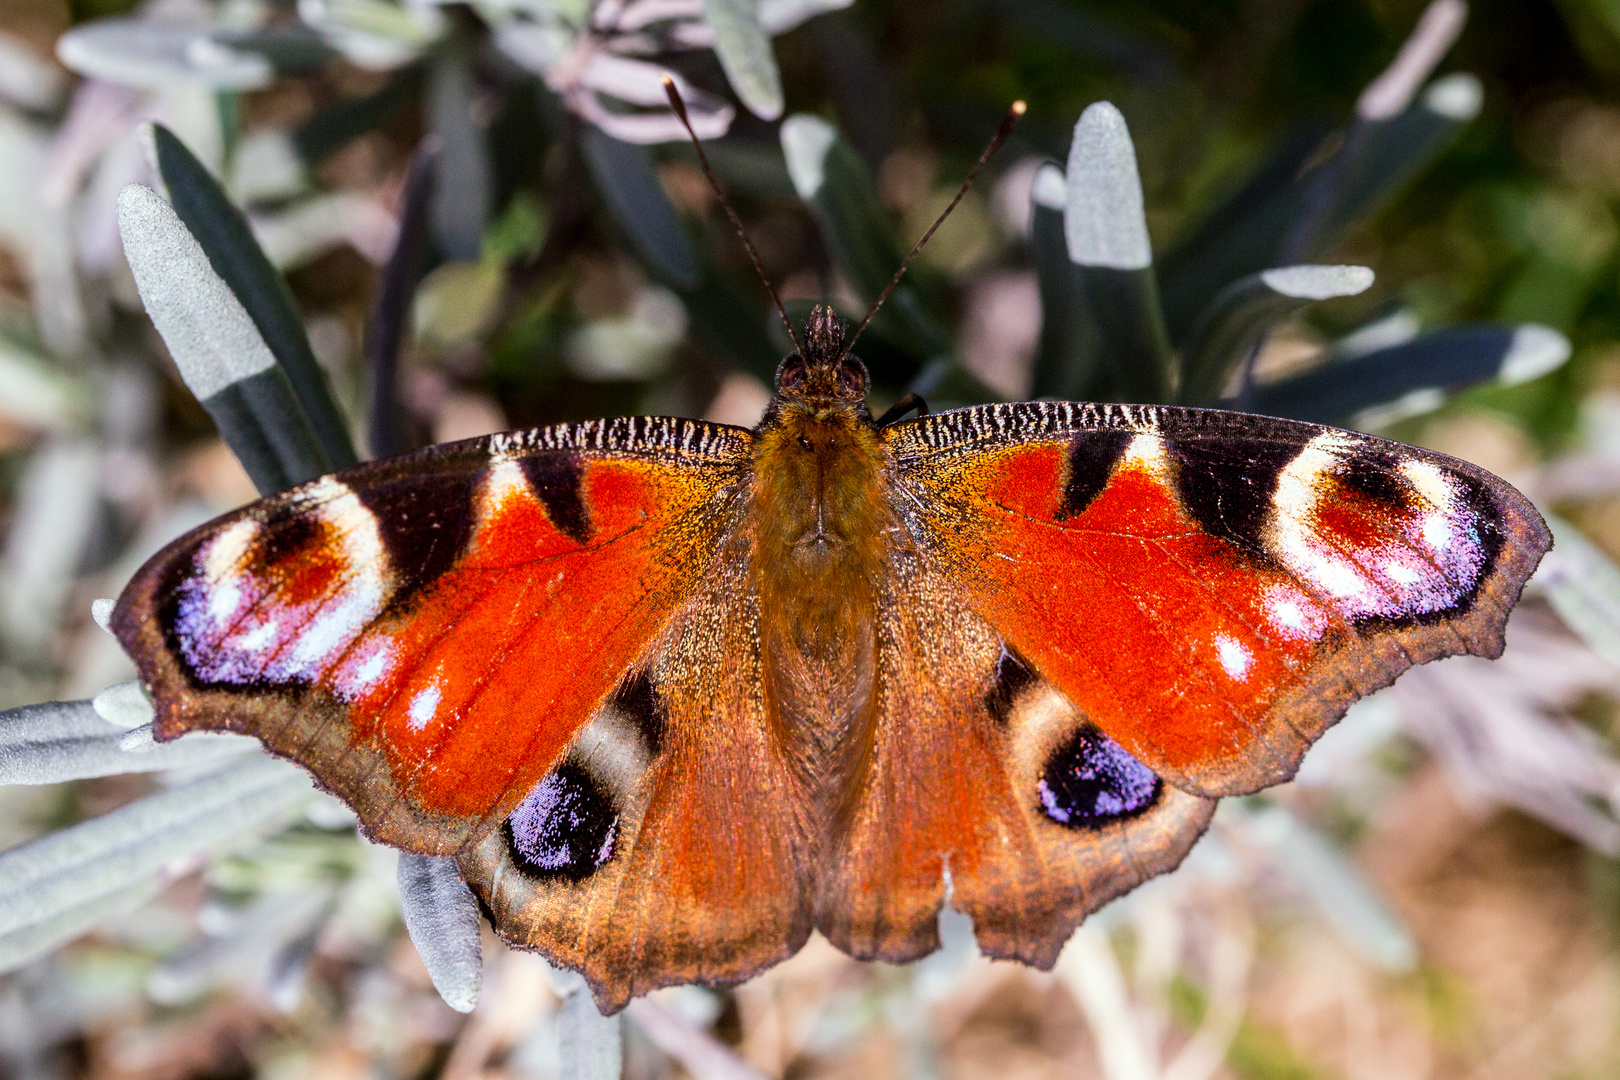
x: 1212, y: 589
x: 428, y: 634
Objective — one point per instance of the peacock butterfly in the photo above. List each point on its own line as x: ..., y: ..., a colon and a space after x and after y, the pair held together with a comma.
x: 674, y: 694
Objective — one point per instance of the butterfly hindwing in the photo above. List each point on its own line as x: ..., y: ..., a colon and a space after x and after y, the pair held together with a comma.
x: 426, y: 634
x: 983, y: 782
x: 672, y: 842
x: 1212, y: 589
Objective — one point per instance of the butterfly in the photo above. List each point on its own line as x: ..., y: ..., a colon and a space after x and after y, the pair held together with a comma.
x: 675, y: 694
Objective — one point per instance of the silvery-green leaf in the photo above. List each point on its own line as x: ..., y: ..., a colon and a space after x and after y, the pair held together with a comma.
x: 626, y: 177
x: 36, y: 395
x: 780, y: 16
x: 745, y: 54
x: 52, y: 515
x: 1245, y: 312
x: 129, y: 847
x: 462, y: 197
x: 340, y: 123
x: 67, y: 740
x: 442, y: 917
x: 267, y: 167
x: 154, y: 55
x: 700, y: 1054
x: 391, y: 308
x: 1330, y: 880
x: 223, y: 234
x: 1583, y: 585
x: 374, y: 34
x: 215, y: 344
x: 590, y: 1045
x: 39, y: 232
x: 30, y: 942
x: 1106, y: 229
x: 1103, y: 216
x: 26, y: 80
x: 1414, y: 376
x: 1066, y: 360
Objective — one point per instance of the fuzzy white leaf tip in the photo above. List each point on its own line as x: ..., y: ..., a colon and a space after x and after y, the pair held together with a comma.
x: 213, y: 341
x: 1457, y: 97
x: 124, y: 705
x: 1534, y: 351
x: 805, y: 142
x: 1318, y: 282
x: 101, y: 611
x: 745, y: 54
x: 1104, y: 220
x: 1050, y: 189
x: 442, y: 917
x: 1436, y: 31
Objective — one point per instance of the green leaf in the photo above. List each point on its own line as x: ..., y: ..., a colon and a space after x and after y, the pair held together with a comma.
x: 1295, y: 221
x: 1066, y: 360
x: 1246, y: 311
x: 834, y: 182
x: 224, y: 237
x: 626, y: 177
x: 1106, y: 229
x: 745, y: 55
x: 221, y: 354
x: 1377, y: 387
x: 463, y: 197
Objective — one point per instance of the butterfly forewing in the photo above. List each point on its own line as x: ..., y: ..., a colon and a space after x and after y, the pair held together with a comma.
x: 1212, y: 589
x: 427, y: 634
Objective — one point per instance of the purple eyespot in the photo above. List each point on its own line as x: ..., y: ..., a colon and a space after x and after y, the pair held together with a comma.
x: 565, y: 827
x: 1091, y: 781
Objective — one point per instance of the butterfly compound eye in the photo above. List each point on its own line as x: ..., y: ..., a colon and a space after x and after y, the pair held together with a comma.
x: 790, y: 374
x: 852, y: 378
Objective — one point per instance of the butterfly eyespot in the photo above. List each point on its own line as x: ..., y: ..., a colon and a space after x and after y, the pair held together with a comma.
x: 1091, y: 781
x: 565, y: 827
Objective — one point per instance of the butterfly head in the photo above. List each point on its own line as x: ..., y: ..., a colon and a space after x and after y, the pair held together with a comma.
x: 821, y: 375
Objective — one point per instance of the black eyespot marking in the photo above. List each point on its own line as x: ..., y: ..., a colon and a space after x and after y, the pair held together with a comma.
x: 556, y: 482
x: 1092, y: 457
x: 1091, y: 781
x: 564, y: 828
x: 1375, y: 475
x: 284, y: 537
x: 1228, y: 487
x: 637, y: 700
x: 1013, y: 677
x: 424, y: 522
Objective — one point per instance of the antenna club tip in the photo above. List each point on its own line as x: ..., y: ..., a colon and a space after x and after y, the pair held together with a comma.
x: 669, y: 83
x: 1018, y: 107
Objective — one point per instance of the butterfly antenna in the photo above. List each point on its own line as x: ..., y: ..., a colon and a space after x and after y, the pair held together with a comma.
x: 679, y: 106
x: 1008, y: 122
